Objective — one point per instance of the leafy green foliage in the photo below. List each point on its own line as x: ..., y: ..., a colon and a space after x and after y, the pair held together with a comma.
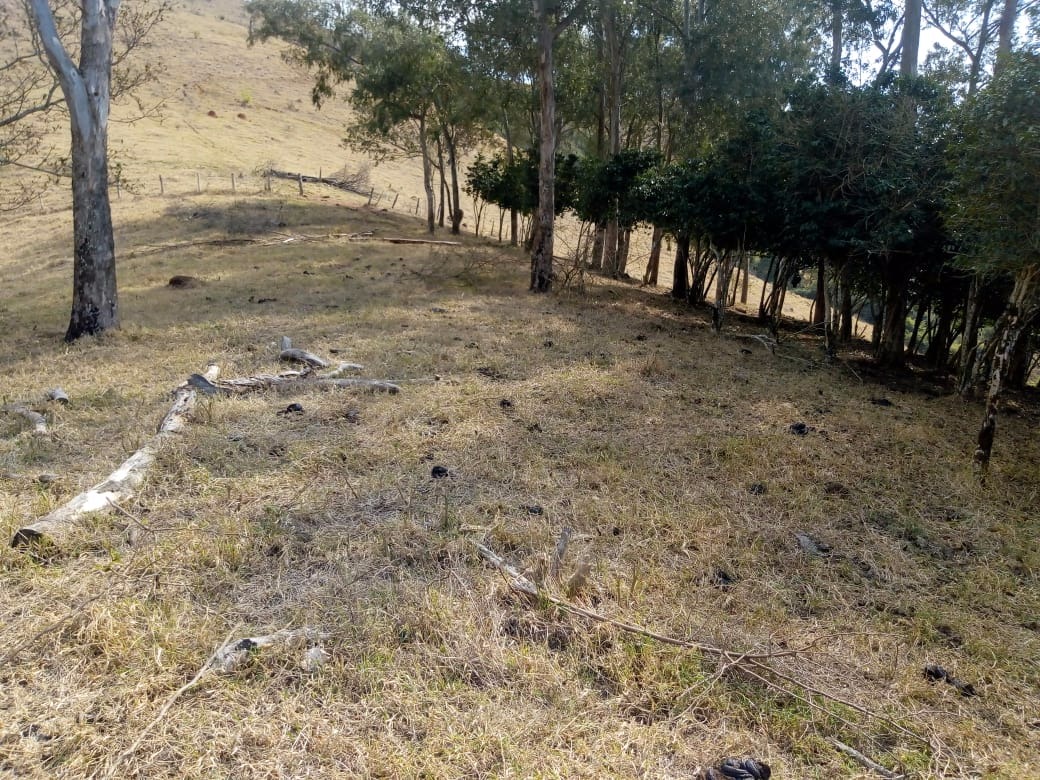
x: 995, y: 163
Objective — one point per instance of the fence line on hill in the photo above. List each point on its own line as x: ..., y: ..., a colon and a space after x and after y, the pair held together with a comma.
x: 198, y: 182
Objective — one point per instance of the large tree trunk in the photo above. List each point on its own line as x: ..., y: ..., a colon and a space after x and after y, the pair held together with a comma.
x: 87, y: 92
x: 726, y: 264
x: 654, y: 263
x: 94, y: 302
x: 938, y: 354
x: 542, y: 246
x: 624, y: 244
x: 970, y: 339
x: 845, y: 328
x: 453, y: 167
x: 614, y: 61
x: 427, y: 166
x: 1021, y: 358
x: 441, y: 182
x: 700, y: 282
x: 837, y: 40
x: 1022, y: 309
x: 891, y: 349
x: 911, y: 38
x: 680, y: 272
x: 975, y: 72
x: 1005, y: 33
x: 817, y: 314
x: 596, y: 261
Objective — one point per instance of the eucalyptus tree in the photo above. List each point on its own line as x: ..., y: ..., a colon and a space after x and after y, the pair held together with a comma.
x: 969, y: 29
x: 395, y: 93
x: 84, y: 74
x: 405, y: 81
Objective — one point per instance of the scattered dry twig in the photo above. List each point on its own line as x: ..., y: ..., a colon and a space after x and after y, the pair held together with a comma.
x: 868, y: 763
x: 110, y: 770
x: 754, y: 664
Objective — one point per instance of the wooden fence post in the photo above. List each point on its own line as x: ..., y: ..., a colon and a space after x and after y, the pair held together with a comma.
x: 232, y: 184
x: 396, y: 196
x: 162, y: 187
x: 198, y: 183
x: 300, y: 180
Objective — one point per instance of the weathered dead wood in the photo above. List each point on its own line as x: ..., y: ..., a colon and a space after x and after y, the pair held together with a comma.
x: 297, y: 380
x: 58, y: 395
x: 865, y: 762
x: 120, y: 484
x: 421, y: 241
x: 232, y: 654
x: 757, y: 665
x: 39, y: 422
x: 291, y: 355
x: 226, y: 658
x: 340, y: 184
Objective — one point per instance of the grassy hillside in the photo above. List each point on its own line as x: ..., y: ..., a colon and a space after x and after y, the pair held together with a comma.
x: 856, y: 554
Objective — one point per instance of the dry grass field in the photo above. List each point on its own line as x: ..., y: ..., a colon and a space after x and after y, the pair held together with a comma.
x: 855, y: 554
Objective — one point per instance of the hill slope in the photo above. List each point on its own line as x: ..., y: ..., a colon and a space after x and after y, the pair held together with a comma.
x: 855, y: 554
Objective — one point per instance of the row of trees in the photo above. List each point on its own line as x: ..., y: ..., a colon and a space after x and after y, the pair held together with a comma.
x: 805, y: 134
x: 794, y: 129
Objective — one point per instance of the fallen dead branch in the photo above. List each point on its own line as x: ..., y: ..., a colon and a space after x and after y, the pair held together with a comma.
x: 119, y: 485
x: 124, y: 481
x: 226, y: 658
x: 348, y: 184
x: 39, y: 422
x: 232, y: 654
x: 764, y: 339
x: 290, y: 355
x: 755, y: 664
x: 421, y: 241
x: 865, y: 762
x: 296, y: 380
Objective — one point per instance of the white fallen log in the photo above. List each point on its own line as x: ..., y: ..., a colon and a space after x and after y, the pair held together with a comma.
x: 58, y: 395
x: 120, y: 484
x: 39, y: 422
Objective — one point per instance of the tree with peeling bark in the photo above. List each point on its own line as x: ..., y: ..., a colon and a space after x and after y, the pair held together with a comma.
x: 87, y: 91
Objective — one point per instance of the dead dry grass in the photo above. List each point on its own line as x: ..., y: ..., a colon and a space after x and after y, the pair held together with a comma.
x: 627, y: 421
x: 615, y: 413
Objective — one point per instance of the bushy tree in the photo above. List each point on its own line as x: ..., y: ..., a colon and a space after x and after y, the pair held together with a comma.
x: 995, y: 208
